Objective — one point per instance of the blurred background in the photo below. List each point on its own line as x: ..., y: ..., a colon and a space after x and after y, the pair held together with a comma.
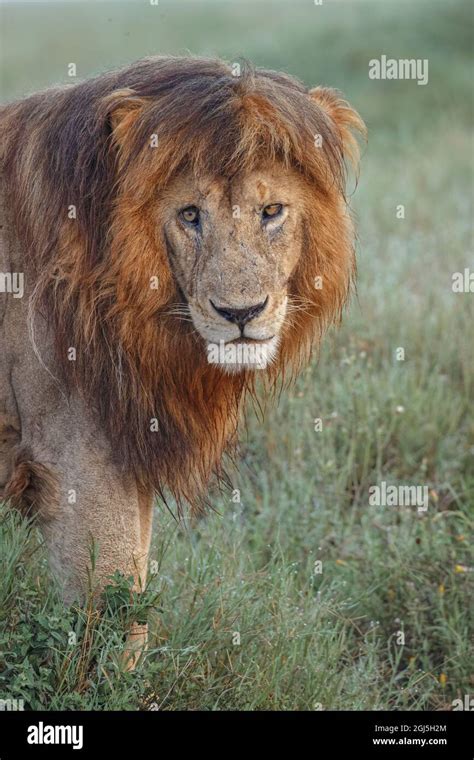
x: 310, y: 635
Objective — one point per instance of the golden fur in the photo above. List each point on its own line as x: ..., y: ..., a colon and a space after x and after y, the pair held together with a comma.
x: 83, y: 180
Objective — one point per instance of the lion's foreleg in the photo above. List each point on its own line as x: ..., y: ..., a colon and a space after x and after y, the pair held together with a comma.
x: 137, y: 639
x: 99, y: 522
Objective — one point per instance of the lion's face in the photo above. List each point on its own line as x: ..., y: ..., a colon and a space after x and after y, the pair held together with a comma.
x: 232, y: 246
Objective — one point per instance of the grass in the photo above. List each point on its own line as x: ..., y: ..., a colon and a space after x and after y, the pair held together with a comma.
x: 242, y: 615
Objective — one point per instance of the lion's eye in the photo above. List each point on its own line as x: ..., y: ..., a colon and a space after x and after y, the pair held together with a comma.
x: 190, y: 214
x: 274, y: 209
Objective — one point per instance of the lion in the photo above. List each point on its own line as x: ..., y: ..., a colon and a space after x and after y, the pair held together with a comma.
x: 180, y: 231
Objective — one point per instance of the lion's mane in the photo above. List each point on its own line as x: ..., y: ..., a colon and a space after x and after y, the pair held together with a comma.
x: 87, y: 147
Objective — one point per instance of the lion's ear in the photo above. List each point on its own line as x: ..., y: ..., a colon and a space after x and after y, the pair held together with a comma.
x: 121, y: 109
x: 346, y: 120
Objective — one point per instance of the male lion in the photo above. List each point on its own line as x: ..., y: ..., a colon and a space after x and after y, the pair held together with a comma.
x: 177, y: 228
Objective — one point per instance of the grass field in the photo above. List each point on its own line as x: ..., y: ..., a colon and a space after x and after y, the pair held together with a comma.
x: 243, y: 615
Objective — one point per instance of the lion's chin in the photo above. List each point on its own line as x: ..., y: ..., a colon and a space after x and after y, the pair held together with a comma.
x: 239, y: 355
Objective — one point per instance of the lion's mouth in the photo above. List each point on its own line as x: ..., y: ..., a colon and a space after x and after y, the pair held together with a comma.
x: 243, y: 353
x: 245, y: 339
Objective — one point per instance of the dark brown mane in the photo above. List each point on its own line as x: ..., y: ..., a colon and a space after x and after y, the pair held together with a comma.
x: 88, y: 146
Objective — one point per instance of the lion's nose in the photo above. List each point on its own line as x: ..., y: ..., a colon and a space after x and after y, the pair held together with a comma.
x: 240, y: 316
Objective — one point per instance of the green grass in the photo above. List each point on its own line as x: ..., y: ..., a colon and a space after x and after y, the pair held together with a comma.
x: 308, y: 639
